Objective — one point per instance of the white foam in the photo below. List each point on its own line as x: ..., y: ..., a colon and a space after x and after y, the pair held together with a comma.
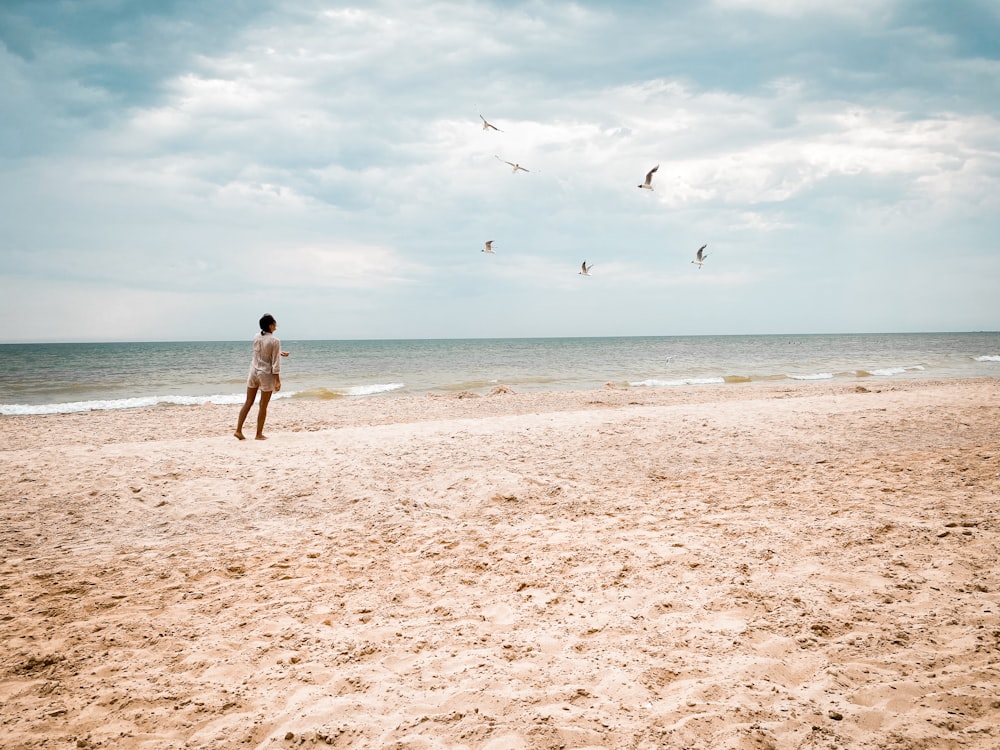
x: 988, y: 358
x: 813, y: 376
x: 653, y: 383
x: 139, y: 402
x: 369, y: 390
x: 889, y: 371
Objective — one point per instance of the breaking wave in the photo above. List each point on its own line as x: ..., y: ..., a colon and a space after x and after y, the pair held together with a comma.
x: 138, y: 402
x: 371, y: 390
x: 654, y: 383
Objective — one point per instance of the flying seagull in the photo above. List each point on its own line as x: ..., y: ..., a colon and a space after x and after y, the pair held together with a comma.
x: 489, y: 125
x: 700, y: 257
x: 648, y: 184
x: 488, y: 248
x: 585, y: 269
x: 516, y: 167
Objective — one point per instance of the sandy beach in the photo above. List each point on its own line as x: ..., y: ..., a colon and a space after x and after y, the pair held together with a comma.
x: 759, y: 566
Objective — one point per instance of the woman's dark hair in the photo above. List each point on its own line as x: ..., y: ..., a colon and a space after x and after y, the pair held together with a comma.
x: 265, y: 322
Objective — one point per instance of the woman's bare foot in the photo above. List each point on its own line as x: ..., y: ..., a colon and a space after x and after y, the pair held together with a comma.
x: 261, y: 437
x: 239, y: 435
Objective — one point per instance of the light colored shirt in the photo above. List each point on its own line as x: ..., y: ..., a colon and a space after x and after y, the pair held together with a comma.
x: 266, y: 354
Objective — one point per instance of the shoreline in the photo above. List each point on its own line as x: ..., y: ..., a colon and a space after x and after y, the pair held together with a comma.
x: 290, y: 414
x: 145, y: 375
x: 771, y: 566
x: 463, y: 390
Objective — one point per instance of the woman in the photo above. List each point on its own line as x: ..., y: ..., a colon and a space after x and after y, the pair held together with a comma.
x: 265, y: 374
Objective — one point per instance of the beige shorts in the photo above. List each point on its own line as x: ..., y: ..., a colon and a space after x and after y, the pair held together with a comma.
x: 263, y: 381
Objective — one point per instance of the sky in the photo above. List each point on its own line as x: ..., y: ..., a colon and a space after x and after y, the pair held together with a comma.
x: 171, y: 171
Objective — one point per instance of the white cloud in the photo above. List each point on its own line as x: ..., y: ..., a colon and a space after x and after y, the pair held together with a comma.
x: 350, y: 266
x: 52, y: 310
x: 855, y: 10
x: 341, y: 149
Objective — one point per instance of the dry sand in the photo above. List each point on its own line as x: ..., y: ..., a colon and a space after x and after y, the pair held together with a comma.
x: 757, y: 566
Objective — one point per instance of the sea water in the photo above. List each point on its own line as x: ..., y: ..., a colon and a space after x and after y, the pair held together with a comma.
x: 60, y: 378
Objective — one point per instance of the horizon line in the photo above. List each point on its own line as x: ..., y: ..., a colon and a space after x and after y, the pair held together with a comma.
x: 60, y: 342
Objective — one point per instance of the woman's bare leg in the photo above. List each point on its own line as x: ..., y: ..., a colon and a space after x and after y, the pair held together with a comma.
x: 251, y: 395
x: 265, y: 397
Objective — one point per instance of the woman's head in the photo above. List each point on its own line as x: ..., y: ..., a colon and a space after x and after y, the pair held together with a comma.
x: 266, y: 322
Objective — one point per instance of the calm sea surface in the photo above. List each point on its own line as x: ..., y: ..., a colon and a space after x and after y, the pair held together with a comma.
x: 54, y: 378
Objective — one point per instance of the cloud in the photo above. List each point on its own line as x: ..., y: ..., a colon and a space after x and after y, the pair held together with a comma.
x: 350, y: 266
x: 859, y: 11
x: 295, y: 149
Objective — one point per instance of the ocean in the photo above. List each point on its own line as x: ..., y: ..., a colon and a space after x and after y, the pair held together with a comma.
x: 63, y: 378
